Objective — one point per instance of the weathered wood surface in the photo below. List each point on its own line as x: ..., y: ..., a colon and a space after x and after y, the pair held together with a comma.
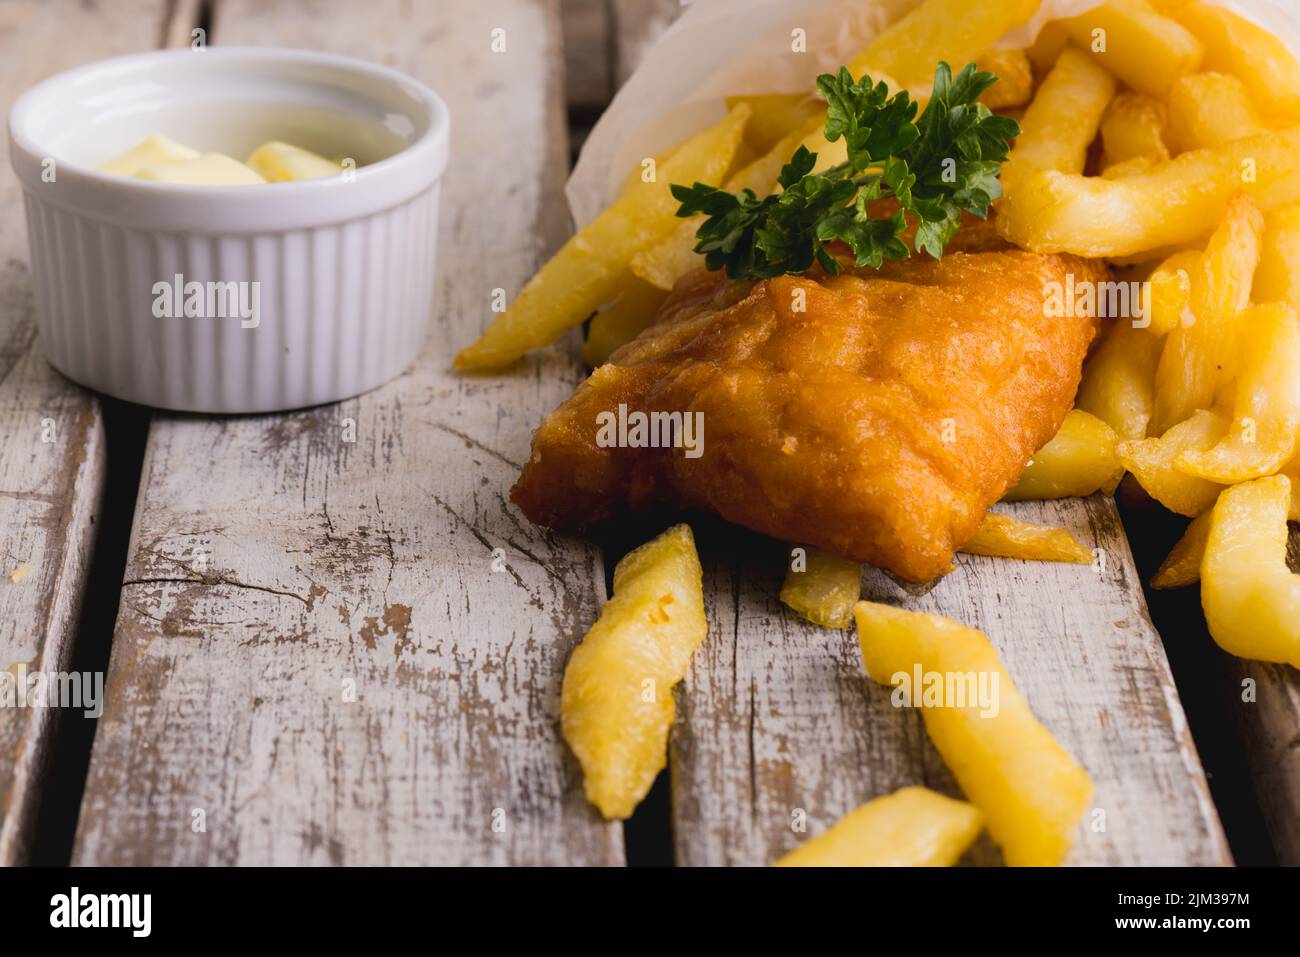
x: 51, y: 431
x: 275, y: 566
x: 778, y: 723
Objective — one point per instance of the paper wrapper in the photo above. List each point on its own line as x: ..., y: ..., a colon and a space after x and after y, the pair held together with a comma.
x: 720, y: 48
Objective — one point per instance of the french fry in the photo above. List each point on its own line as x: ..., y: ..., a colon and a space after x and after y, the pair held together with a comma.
x: 1119, y: 380
x: 1003, y: 536
x: 622, y: 321
x: 1132, y: 40
x: 1047, y: 46
x: 585, y: 274
x: 1153, y: 463
x: 1032, y: 793
x: 1137, y: 166
x: 1015, y: 86
x: 1278, y: 277
x: 913, y: 827
x: 616, y: 704
x: 639, y: 173
x: 1134, y: 127
x: 1171, y: 292
x: 662, y: 263
x: 1210, y: 109
x: 954, y: 31
x: 1182, y: 566
x: 1235, y: 45
x: 1079, y: 460
x: 1250, y: 597
x: 1177, y: 204
x: 1063, y: 119
x: 1192, y: 363
x: 775, y: 116
x: 1266, y: 405
x: 824, y: 588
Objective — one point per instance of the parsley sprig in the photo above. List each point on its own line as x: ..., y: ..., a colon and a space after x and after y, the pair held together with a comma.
x: 936, y: 167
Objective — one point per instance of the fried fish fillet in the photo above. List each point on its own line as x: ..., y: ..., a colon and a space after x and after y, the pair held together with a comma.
x: 874, y: 414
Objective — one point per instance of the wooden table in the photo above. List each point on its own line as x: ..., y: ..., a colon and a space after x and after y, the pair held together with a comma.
x: 337, y: 643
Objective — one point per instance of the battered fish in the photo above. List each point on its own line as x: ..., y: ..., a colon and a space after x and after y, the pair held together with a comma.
x: 875, y: 414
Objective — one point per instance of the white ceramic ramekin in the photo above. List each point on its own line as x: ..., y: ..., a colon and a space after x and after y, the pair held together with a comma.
x: 341, y: 270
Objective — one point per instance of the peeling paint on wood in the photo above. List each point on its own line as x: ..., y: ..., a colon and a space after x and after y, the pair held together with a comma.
x: 779, y: 724
x: 335, y: 652
x: 51, y: 431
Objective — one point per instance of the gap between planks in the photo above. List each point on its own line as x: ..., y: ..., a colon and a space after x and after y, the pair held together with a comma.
x: 326, y: 563
x: 52, y: 462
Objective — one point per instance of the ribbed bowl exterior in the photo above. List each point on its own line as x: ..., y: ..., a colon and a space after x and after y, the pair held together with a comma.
x: 344, y: 307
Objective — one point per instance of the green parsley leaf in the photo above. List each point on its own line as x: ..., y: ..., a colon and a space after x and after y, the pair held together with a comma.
x: 937, y: 166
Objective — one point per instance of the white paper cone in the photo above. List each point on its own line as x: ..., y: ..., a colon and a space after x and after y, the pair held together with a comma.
x: 732, y: 47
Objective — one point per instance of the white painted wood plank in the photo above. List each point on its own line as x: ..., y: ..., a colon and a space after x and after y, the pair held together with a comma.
x: 777, y: 716
x: 51, y: 431
x: 275, y: 565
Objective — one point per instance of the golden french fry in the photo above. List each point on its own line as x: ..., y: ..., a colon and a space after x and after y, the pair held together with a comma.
x: 1210, y: 109
x: 1292, y: 472
x: 643, y: 640
x: 664, y: 262
x: 1032, y: 793
x: 1235, y: 45
x: 585, y: 274
x: 645, y: 172
x: 1047, y: 46
x: 1137, y: 166
x: 1152, y: 462
x: 1177, y: 204
x: 823, y: 588
x: 913, y: 827
x: 1171, y: 292
x: 954, y: 31
x: 1278, y: 277
x: 1182, y: 566
x: 1063, y: 119
x: 1119, y: 380
x: 1145, y: 49
x: 775, y: 116
x: 1134, y: 127
x: 1015, y: 86
x: 1192, y: 363
x: 1079, y: 460
x: 1250, y: 597
x: 622, y: 321
x: 1266, y: 404
x: 1003, y: 536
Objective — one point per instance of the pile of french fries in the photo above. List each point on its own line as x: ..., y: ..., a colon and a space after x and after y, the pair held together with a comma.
x: 1162, y: 136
